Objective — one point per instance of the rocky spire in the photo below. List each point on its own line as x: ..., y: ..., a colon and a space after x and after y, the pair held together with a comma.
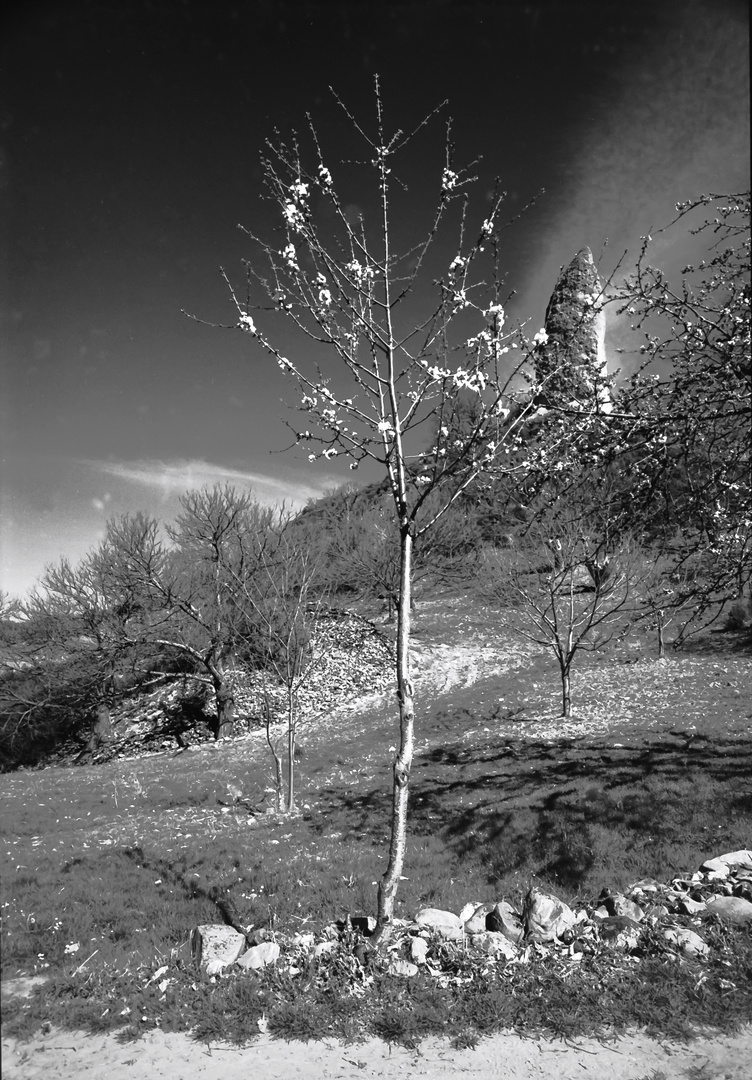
x: 571, y: 363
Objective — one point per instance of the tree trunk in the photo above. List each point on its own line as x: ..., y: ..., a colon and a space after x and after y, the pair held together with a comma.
x: 566, y: 696
x: 661, y: 639
x: 225, y: 700
x: 103, y: 724
x: 403, y: 762
x: 290, y: 753
x: 278, y: 782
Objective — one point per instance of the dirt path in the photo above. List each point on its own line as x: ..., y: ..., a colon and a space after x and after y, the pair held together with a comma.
x: 63, y: 1055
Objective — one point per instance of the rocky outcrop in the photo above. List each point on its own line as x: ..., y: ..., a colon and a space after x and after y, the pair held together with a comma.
x: 570, y: 361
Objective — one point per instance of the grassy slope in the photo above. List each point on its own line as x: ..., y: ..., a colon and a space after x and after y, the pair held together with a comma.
x: 124, y: 859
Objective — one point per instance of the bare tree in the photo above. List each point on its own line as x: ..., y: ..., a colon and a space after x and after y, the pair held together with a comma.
x: 564, y: 589
x: 282, y: 616
x: 136, y: 591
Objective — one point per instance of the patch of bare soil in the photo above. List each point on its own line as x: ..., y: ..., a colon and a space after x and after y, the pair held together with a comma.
x: 61, y: 1055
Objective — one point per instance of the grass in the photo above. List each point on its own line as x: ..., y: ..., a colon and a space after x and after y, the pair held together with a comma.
x: 107, y: 868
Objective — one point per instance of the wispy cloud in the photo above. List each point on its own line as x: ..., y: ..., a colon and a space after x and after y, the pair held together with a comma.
x: 175, y: 477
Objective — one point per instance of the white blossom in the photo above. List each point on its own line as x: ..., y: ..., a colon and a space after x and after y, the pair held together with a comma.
x: 299, y: 190
x: 293, y: 216
x: 495, y: 314
x: 439, y: 373
x: 483, y: 338
x: 457, y: 264
x: 385, y: 425
x: 359, y: 272
x: 330, y: 452
x: 541, y: 338
x: 246, y: 323
x: 325, y: 297
x: 325, y: 176
x: 487, y: 227
x: 290, y: 256
x: 449, y: 180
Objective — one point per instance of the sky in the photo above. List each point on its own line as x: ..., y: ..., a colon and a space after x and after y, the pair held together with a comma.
x: 130, y: 135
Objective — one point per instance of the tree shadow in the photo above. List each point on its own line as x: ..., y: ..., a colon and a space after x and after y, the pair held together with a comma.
x: 565, y: 808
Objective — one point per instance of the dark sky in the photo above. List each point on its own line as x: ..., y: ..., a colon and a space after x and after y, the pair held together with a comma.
x: 130, y: 135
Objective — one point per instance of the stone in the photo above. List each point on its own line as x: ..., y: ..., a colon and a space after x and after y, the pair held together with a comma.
x: 259, y: 956
x: 715, y: 869
x: 216, y: 946
x: 619, y: 905
x: 689, y: 943
x: 739, y: 860
x: 444, y: 923
x: 502, y: 919
x: 418, y: 950
x: 733, y: 909
x: 620, y: 932
x: 476, y: 922
x: 571, y: 362
x: 546, y: 917
x: 469, y: 909
x: 644, y: 886
x: 403, y: 968
x: 495, y: 944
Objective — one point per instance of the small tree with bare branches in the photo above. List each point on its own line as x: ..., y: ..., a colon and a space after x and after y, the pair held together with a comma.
x: 391, y: 349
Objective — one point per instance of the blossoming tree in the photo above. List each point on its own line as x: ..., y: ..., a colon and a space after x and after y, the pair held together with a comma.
x: 688, y: 405
x: 400, y: 353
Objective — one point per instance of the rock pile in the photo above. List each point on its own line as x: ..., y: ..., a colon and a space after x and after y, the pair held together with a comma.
x: 646, y: 916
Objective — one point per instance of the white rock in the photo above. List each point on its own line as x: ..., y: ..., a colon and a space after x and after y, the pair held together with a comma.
x: 216, y: 944
x: 259, y: 956
x: 734, y: 909
x: 503, y: 919
x: 620, y: 932
x: 739, y: 860
x: 546, y: 917
x: 716, y: 869
x: 444, y: 923
x: 475, y: 922
x: 403, y: 968
x: 690, y: 943
x: 495, y: 944
x: 469, y: 909
x: 418, y: 950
